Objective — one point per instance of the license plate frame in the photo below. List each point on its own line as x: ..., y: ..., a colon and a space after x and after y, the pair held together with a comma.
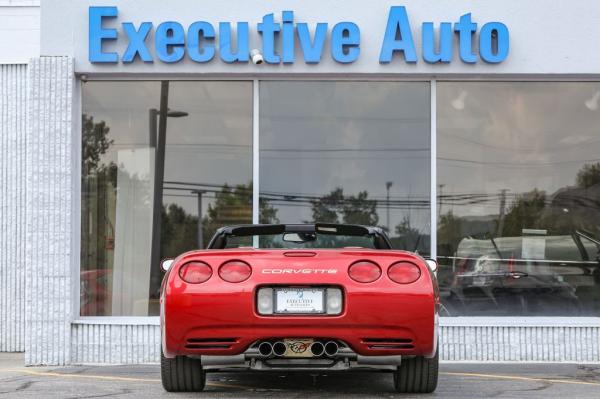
x: 305, y: 311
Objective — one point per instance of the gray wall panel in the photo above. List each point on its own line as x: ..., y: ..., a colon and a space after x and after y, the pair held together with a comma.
x: 115, y: 343
x: 13, y: 121
x: 49, y: 204
x: 505, y: 343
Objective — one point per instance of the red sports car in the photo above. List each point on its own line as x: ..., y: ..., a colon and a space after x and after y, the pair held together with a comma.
x: 314, y: 297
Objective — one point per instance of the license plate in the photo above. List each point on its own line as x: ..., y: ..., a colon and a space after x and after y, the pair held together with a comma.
x: 299, y: 300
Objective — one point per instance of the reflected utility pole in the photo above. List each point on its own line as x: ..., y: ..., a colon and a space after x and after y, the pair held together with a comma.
x: 440, y: 195
x: 158, y: 140
x: 200, y: 234
x: 501, y: 212
x: 388, y: 184
x: 159, y: 174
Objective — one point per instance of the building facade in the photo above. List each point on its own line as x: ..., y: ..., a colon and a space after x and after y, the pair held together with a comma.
x: 470, y: 131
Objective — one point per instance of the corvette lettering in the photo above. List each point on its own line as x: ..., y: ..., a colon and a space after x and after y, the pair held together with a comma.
x: 299, y: 271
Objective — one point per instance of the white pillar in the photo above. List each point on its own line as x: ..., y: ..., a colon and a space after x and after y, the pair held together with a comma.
x: 50, y: 206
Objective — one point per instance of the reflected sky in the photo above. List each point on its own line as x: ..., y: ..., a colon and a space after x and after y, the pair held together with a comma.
x: 209, y: 147
x: 317, y: 136
x: 513, y: 136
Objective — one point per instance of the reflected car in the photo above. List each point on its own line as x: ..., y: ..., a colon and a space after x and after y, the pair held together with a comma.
x: 94, y: 291
x: 307, y: 297
x: 519, y: 276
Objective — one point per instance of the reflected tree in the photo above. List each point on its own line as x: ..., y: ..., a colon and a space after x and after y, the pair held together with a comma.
x: 98, y: 192
x: 95, y: 142
x: 353, y: 209
x: 99, y: 182
x: 233, y: 205
x: 577, y: 208
x: 449, y: 234
x: 326, y: 208
x: 409, y: 238
x: 588, y: 175
x: 178, y: 231
x: 360, y: 209
x: 524, y: 213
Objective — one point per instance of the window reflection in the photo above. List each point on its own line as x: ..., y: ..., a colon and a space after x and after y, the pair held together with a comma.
x: 519, y: 198
x: 347, y: 152
x: 208, y: 124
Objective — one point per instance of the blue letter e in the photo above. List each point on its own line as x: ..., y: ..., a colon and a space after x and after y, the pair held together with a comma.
x: 97, y: 34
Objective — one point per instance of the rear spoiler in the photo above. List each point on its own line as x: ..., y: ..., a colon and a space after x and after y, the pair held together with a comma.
x: 274, y: 229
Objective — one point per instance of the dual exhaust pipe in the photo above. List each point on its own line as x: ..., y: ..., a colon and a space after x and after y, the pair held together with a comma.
x: 330, y: 348
x: 317, y: 348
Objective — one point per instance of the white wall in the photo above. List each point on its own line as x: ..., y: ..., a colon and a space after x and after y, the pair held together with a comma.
x: 19, y: 31
x: 557, y: 37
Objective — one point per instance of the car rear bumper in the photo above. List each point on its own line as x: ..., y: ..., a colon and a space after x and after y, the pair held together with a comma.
x: 386, y: 324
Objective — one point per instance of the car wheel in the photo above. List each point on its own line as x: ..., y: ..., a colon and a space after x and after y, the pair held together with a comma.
x: 182, y: 374
x: 417, y: 375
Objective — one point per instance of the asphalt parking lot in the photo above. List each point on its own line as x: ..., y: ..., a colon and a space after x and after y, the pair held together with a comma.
x: 457, y: 380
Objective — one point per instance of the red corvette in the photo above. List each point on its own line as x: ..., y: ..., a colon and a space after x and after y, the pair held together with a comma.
x: 317, y: 297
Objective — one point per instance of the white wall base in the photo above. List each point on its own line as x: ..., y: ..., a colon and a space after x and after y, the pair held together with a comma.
x: 510, y: 340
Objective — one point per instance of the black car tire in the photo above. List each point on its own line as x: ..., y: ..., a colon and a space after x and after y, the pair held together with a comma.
x: 417, y: 375
x: 182, y: 374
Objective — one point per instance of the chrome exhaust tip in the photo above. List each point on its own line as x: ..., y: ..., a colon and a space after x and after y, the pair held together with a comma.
x: 317, y: 348
x: 279, y: 348
x: 331, y: 348
x: 265, y: 349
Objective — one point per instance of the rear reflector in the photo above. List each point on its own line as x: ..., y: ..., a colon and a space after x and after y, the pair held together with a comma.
x: 235, y: 271
x: 195, y: 272
x: 364, y: 271
x: 404, y: 272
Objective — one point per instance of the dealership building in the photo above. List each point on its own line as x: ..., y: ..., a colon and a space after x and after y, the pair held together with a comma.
x: 129, y: 133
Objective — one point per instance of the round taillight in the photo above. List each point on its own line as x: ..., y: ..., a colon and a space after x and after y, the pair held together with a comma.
x: 235, y: 271
x: 364, y: 271
x: 195, y: 272
x: 404, y: 272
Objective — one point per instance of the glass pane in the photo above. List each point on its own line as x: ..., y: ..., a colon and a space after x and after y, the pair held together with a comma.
x: 518, y: 194
x: 347, y: 152
x: 208, y: 124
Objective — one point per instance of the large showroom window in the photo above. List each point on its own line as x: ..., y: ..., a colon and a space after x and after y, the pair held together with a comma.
x: 206, y: 165
x: 347, y: 152
x: 518, y: 181
x: 519, y: 198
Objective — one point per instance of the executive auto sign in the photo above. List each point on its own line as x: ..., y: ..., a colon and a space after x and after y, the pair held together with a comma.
x: 203, y: 41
